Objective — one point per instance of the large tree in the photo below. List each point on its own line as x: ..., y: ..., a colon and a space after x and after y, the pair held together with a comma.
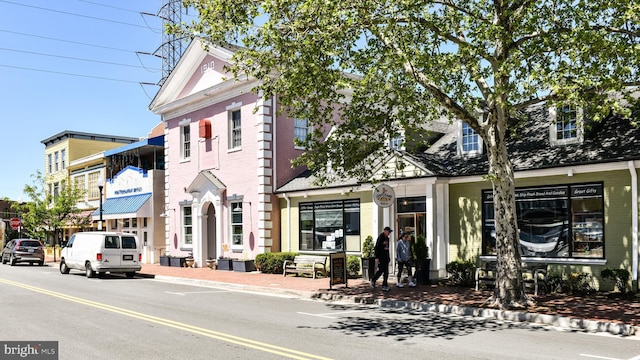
x: 44, y: 215
x: 415, y: 61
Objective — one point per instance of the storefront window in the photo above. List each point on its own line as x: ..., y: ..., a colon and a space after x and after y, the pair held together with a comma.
x: 587, y: 215
x: 558, y: 221
x: 326, y: 225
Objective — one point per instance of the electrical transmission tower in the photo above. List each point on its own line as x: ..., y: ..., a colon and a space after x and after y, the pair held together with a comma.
x: 172, y: 46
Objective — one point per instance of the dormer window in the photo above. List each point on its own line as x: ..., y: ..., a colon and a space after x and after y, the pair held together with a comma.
x: 469, y: 143
x: 566, y: 125
x: 396, y: 143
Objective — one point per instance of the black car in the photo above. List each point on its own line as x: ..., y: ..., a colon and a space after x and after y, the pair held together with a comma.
x: 23, y: 250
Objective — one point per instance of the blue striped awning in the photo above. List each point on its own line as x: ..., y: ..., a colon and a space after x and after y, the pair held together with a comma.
x: 122, y: 205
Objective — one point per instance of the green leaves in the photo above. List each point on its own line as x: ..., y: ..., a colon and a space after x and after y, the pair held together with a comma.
x: 419, y: 61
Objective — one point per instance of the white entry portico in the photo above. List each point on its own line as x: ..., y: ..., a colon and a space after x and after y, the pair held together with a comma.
x: 207, y: 192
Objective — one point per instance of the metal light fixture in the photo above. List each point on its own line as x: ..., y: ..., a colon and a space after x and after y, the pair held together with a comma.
x: 405, y: 202
x: 100, y: 187
x: 164, y: 213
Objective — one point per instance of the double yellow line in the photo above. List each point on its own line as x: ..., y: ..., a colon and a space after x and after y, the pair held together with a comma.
x: 240, y: 341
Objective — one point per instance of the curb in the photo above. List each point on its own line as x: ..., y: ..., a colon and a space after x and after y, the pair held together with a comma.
x: 564, y: 322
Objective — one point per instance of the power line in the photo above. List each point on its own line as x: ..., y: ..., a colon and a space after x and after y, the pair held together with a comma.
x: 70, y: 74
x: 74, y: 14
x: 109, y: 6
x: 79, y: 59
x: 67, y: 41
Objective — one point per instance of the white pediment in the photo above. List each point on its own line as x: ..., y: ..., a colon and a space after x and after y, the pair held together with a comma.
x: 197, y: 71
x: 396, y: 166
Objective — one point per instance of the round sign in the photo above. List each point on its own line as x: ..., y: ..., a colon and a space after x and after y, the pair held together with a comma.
x: 383, y: 195
x: 15, y: 223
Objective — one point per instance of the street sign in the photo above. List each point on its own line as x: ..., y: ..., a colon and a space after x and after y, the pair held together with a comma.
x: 15, y: 223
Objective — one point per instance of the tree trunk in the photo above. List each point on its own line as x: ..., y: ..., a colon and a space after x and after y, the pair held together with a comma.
x: 509, y: 290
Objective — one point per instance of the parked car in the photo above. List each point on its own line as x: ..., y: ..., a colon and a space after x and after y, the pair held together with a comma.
x: 23, y: 250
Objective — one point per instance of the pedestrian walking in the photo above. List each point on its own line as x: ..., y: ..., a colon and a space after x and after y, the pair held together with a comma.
x: 381, y: 253
x: 403, y: 256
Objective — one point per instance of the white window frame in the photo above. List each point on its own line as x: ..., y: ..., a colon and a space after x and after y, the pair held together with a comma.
x: 185, y: 141
x: 187, y: 229
x: 235, y: 131
x: 397, y: 143
x: 63, y: 155
x: 301, y: 131
x: 80, y: 183
x: 56, y: 165
x: 461, y: 150
x: 92, y: 185
x: 233, y: 225
x: 50, y: 165
x: 553, y: 128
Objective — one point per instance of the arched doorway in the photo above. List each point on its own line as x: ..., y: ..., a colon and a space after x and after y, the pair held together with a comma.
x: 210, y: 233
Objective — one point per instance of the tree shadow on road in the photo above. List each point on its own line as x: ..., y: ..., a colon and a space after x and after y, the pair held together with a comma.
x: 405, y: 324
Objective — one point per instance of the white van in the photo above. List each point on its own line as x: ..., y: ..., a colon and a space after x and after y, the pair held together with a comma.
x: 101, y: 252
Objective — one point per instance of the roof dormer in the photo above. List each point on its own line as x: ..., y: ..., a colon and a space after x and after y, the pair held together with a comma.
x: 566, y: 125
x: 469, y: 142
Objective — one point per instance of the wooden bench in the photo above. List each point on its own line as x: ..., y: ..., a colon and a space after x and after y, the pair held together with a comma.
x: 532, y: 274
x: 306, y: 264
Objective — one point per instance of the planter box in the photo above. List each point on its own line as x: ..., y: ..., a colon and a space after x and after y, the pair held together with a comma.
x: 368, y: 268
x: 422, y: 271
x: 244, y: 265
x: 225, y: 264
x: 177, y: 261
x: 164, y: 261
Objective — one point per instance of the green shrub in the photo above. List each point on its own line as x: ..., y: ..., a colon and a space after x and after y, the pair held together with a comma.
x: 367, y: 247
x: 575, y: 283
x: 556, y: 283
x: 619, y: 276
x: 581, y: 283
x: 462, y: 272
x: 272, y: 263
x: 420, y: 249
x: 353, y: 266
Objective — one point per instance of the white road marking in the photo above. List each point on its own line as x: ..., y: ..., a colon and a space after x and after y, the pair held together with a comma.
x: 194, y: 292
x: 608, y: 358
x: 329, y: 315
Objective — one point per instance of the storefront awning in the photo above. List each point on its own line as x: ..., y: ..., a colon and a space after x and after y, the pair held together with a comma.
x: 125, y: 207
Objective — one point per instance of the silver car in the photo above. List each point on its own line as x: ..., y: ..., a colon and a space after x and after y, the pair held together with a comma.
x: 23, y: 250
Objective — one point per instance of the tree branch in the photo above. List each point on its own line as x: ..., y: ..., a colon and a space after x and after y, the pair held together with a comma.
x: 460, y: 112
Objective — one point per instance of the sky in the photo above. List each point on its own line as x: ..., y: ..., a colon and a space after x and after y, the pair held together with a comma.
x: 73, y: 65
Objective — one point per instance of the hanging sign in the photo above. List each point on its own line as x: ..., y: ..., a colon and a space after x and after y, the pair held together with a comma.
x: 383, y: 195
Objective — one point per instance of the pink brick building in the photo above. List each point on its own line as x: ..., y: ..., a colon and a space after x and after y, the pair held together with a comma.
x: 226, y: 151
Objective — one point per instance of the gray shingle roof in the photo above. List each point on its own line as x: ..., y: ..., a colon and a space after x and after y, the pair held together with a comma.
x: 612, y: 140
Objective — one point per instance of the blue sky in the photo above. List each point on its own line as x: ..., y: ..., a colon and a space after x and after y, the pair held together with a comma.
x: 72, y: 65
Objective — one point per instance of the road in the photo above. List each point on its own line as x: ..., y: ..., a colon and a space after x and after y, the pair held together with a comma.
x: 141, y: 318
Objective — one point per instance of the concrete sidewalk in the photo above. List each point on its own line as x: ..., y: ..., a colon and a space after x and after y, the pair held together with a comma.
x: 599, y: 313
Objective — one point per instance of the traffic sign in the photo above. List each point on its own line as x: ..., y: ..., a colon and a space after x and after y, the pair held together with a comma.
x: 15, y: 223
